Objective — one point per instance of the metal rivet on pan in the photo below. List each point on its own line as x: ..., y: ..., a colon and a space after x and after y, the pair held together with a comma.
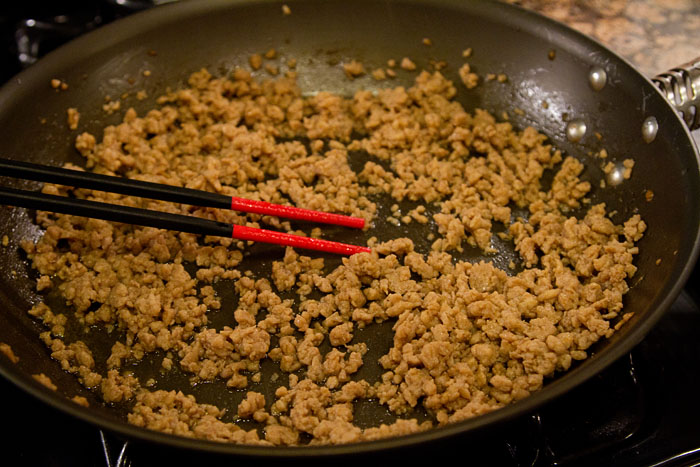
x: 597, y: 77
x: 649, y: 129
x: 575, y: 130
x: 615, y: 176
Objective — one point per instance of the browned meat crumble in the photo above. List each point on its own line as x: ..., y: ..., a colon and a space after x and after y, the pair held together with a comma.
x: 45, y: 380
x: 73, y: 118
x: 6, y: 350
x: 468, y: 338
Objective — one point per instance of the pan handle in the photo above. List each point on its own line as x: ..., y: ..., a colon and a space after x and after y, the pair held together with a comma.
x: 681, y: 86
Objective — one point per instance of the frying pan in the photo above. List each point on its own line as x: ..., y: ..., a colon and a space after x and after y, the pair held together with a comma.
x: 543, y: 60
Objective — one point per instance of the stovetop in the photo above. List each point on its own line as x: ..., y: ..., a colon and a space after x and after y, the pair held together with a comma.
x: 644, y: 410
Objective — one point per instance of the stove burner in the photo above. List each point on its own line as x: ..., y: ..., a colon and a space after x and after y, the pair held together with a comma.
x: 38, y: 27
x: 33, y: 37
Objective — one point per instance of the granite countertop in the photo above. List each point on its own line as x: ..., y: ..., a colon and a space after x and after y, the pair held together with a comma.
x: 654, y: 35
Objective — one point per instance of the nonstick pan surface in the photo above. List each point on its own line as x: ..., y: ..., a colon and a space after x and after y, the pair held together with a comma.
x: 544, y: 61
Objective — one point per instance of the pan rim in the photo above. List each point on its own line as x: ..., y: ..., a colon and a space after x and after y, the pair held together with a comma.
x: 111, y: 34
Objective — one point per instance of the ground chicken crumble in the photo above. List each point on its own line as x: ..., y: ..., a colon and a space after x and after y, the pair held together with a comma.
x: 468, y: 338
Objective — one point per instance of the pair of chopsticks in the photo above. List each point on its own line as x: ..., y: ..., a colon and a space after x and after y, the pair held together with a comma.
x: 164, y: 220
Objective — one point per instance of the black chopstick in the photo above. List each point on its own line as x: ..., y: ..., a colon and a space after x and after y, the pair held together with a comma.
x: 145, y: 217
x: 113, y: 212
x: 165, y: 220
x: 175, y: 194
x: 124, y: 186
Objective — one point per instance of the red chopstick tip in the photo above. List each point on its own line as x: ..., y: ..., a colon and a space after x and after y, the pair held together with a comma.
x: 291, y: 212
x: 242, y: 232
x: 355, y: 222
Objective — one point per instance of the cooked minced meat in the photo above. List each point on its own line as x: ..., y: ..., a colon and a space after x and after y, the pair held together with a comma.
x: 45, y: 380
x: 73, y: 118
x: 468, y: 337
x: 6, y: 350
x: 353, y: 69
